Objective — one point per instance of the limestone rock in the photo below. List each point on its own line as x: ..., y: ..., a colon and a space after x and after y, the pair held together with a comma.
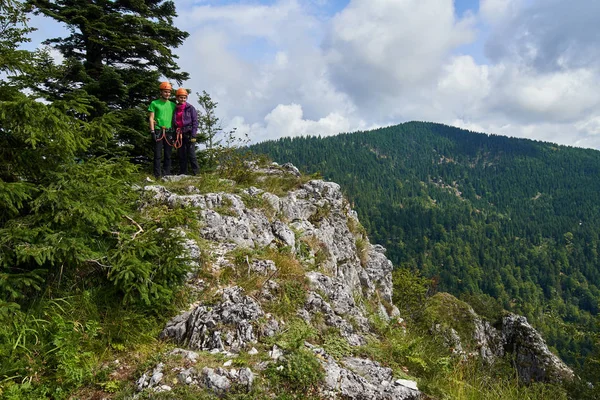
x: 533, y: 359
x: 209, y: 328
x: 362, y: 379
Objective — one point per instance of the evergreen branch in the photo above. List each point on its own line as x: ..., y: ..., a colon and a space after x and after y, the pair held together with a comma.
x: 136, y: 224
x: 98, y: 263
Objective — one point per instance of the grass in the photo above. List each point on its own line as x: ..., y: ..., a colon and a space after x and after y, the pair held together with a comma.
x: 203, y: 183
x: 258, y: 202
x: 281, y: 185
x: 470, y: 381
x: 313, y: 252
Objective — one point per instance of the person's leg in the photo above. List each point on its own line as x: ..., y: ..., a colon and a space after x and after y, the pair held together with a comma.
x: 182, y: 154
x: 167, y: 163
x: 157, y: 156
x: 192, y: 156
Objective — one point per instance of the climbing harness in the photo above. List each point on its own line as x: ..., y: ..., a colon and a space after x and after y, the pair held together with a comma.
x: 178, y: 137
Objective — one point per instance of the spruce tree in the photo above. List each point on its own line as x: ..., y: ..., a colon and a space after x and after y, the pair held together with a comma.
x: 117, y: 52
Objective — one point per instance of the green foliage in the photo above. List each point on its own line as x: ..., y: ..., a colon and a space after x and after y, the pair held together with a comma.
x: 57, y: 346
x: 258, y: 202
x: 51, y: 343
x: 209, y: 126
x: 290, y: 296
x: 67, y: 225
x: 41, y: 137
x: 294, y: 336
x: 406, y: 351
x: 485, y: 306
x: 471, y: 381
x: 449, y: 312
x: 301, y: 372
x: 320, y: 214
x: 336, y: 346
x: 146, y: 264
x: 13, y: 32
x: 84, y: 271
x: 232, y: 162
x: 410, y: 292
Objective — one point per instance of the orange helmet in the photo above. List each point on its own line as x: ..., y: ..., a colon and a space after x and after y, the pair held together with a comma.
x: 181, y: 92
x: 165, y: 86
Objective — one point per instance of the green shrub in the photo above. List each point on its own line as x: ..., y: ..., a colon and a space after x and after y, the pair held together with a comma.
x: 336, y: 346
x: 299, y: 372
x: 485, y: 306
x: 149, y: 261
x: 409, y: 292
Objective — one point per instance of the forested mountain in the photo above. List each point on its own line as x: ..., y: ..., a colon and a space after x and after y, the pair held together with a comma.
x: 502, y: 222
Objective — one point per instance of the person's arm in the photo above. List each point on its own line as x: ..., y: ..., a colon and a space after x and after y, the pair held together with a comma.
x: 151, y: 121
x: 194, y: 122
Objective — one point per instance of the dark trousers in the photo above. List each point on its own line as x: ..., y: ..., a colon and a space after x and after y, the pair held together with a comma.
x: 158, y: 150
x: 187, y: 152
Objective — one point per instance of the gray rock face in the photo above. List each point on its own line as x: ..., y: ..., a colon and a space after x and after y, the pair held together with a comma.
x: 379, y: 271
x: 318, y: 215
x: 317, y: 210
x: 229, y: 324
x: 362, y: 379
x: 516, y: 338
x: 533, y: 360
x: 218, y: 381
x: 151, y: 379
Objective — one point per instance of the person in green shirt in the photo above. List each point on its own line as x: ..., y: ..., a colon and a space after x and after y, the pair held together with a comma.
x: 161, y: 117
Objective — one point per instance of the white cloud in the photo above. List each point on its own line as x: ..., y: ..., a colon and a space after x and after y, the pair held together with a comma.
x: 497, y: 11
x: 464, y: 86
x: 283, y: 69
x: 288, y: 120
x: 559, y: 96
x: 381, y: 47
x: 549, y: 35
x: 252, y: 58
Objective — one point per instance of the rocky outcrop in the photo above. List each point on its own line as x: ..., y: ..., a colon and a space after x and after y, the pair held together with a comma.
x: 315, y: 223
x: 342, y: 269
x: 228, y: 324
x: 317, y: 211
x: 532, y: 358
x: 468, y: 335
x: 218, y: 380
x: 358, y: 378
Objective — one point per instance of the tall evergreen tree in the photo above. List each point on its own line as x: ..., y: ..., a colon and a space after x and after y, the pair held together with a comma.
x: 13, y: 32
x: 116, y: 52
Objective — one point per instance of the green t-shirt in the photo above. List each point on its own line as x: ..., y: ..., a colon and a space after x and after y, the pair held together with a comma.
x: 163, y: 112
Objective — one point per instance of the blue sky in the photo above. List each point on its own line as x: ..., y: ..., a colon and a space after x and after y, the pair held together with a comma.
x: 524, y: 68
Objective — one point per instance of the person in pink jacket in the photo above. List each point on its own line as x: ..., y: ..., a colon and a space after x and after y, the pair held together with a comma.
x: 185, y: 121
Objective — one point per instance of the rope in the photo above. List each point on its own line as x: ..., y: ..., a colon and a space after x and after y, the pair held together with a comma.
x: 178, y: 138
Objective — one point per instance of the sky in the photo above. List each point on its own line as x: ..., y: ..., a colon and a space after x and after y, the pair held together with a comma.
x: 521, y: 68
